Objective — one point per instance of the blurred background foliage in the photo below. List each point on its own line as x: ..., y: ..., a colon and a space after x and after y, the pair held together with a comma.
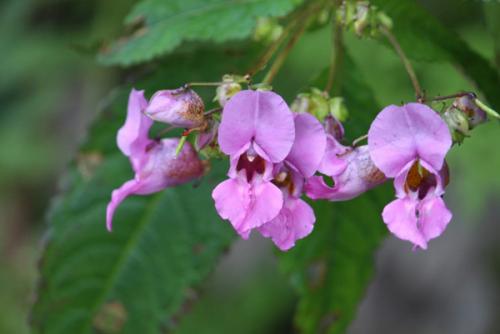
x: 51, y: 87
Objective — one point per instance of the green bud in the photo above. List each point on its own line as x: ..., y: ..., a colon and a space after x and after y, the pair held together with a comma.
x: 267, y: 30
x: 458, y: 123
x: 362, y: 18
x: 229, y: 87
x: 338, y: 108
x: 315, y: 103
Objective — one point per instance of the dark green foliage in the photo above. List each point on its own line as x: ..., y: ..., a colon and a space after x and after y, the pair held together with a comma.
x: 163, y: 25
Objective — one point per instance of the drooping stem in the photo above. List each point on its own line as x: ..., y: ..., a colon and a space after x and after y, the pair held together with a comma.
x: 268, y: 54
x: 451, y: 96
x: 280, y: 59
x: 337, y: 53
x: 202, y: 84
x: 409, y: 68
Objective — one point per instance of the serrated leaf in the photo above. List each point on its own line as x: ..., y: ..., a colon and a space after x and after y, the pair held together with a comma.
x: 332, y: 267
x: 135, y: 279
x: 423, y: 37
x: 168, y: 23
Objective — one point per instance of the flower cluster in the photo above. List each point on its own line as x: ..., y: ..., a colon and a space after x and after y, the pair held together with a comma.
x: 277, y: 156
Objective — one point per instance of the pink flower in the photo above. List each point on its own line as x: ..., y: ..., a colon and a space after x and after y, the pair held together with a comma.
x: 256, y: 131
x: 296, y: 218
x: 351, y: 169
x: 409, y: 144
x: 179, y: 107
x: 154, y: 162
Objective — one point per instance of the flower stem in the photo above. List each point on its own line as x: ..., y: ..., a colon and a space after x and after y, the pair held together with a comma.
x: 337, y: 53
x: 280, y: 59
x: 409, y: 68
x: 212, y: 111
x: 452, y: 96
x: 358, y: 140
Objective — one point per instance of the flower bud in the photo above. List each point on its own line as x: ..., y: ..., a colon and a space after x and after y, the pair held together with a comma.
x: 315, y: 103
x: 180, y: 107
x: 458, y: 123
x: 468, y: 106
x: 334, y: 128
x: 338, y: 108
x: 267, y: 30
x: 229, y: 87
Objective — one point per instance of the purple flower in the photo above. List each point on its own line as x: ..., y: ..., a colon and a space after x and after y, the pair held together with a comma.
x: 256, y: 131
x: 154, y: 162
x: 296, y: 218
x: 179, y: 107
x: 351, y: 169
x: 409, y: 144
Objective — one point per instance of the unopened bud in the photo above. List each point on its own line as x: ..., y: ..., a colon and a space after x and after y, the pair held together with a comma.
x: 334, y: 128
x: 338, y: 108
x: 315, y: 103
x: 229, y: 87
x: 467, y: 105
x: 458, y: 123
x: 362, y: 18
x: 180, y: 107
x: 267, y: 30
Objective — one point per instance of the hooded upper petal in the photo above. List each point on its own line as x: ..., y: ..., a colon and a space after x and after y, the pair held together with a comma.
x: 309, y: 146
x: 132, y: 137
x: 247, y: 205
x: 295, y: 221
x: 399, y: 135
x: 257, y: 116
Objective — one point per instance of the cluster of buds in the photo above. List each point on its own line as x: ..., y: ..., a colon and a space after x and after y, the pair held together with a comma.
x: 321, y: 105
x: 267, y: 30
x: 465, y: 113
x: 362, y: 17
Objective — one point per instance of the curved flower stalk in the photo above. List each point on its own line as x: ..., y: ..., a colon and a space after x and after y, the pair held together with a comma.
x: 154, y: 162
x: 271, y: 152
x: 409, y: 143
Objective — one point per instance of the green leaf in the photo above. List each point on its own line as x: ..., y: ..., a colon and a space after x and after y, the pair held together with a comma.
x: 332, y: 267
x: 168, y: 23
x: 135, y: 279
x: 423, y: 37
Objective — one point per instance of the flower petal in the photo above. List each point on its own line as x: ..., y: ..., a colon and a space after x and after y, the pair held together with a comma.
x: 246, y: 205
x: 401, y: 219
x: 259, y: 116
x: 309, y: 147
x: 333, y: 162
x: 399, y: 135
x: 434, y: 217
x: 117, y: 196
x: 295, y: 221
x: 132, y: 137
